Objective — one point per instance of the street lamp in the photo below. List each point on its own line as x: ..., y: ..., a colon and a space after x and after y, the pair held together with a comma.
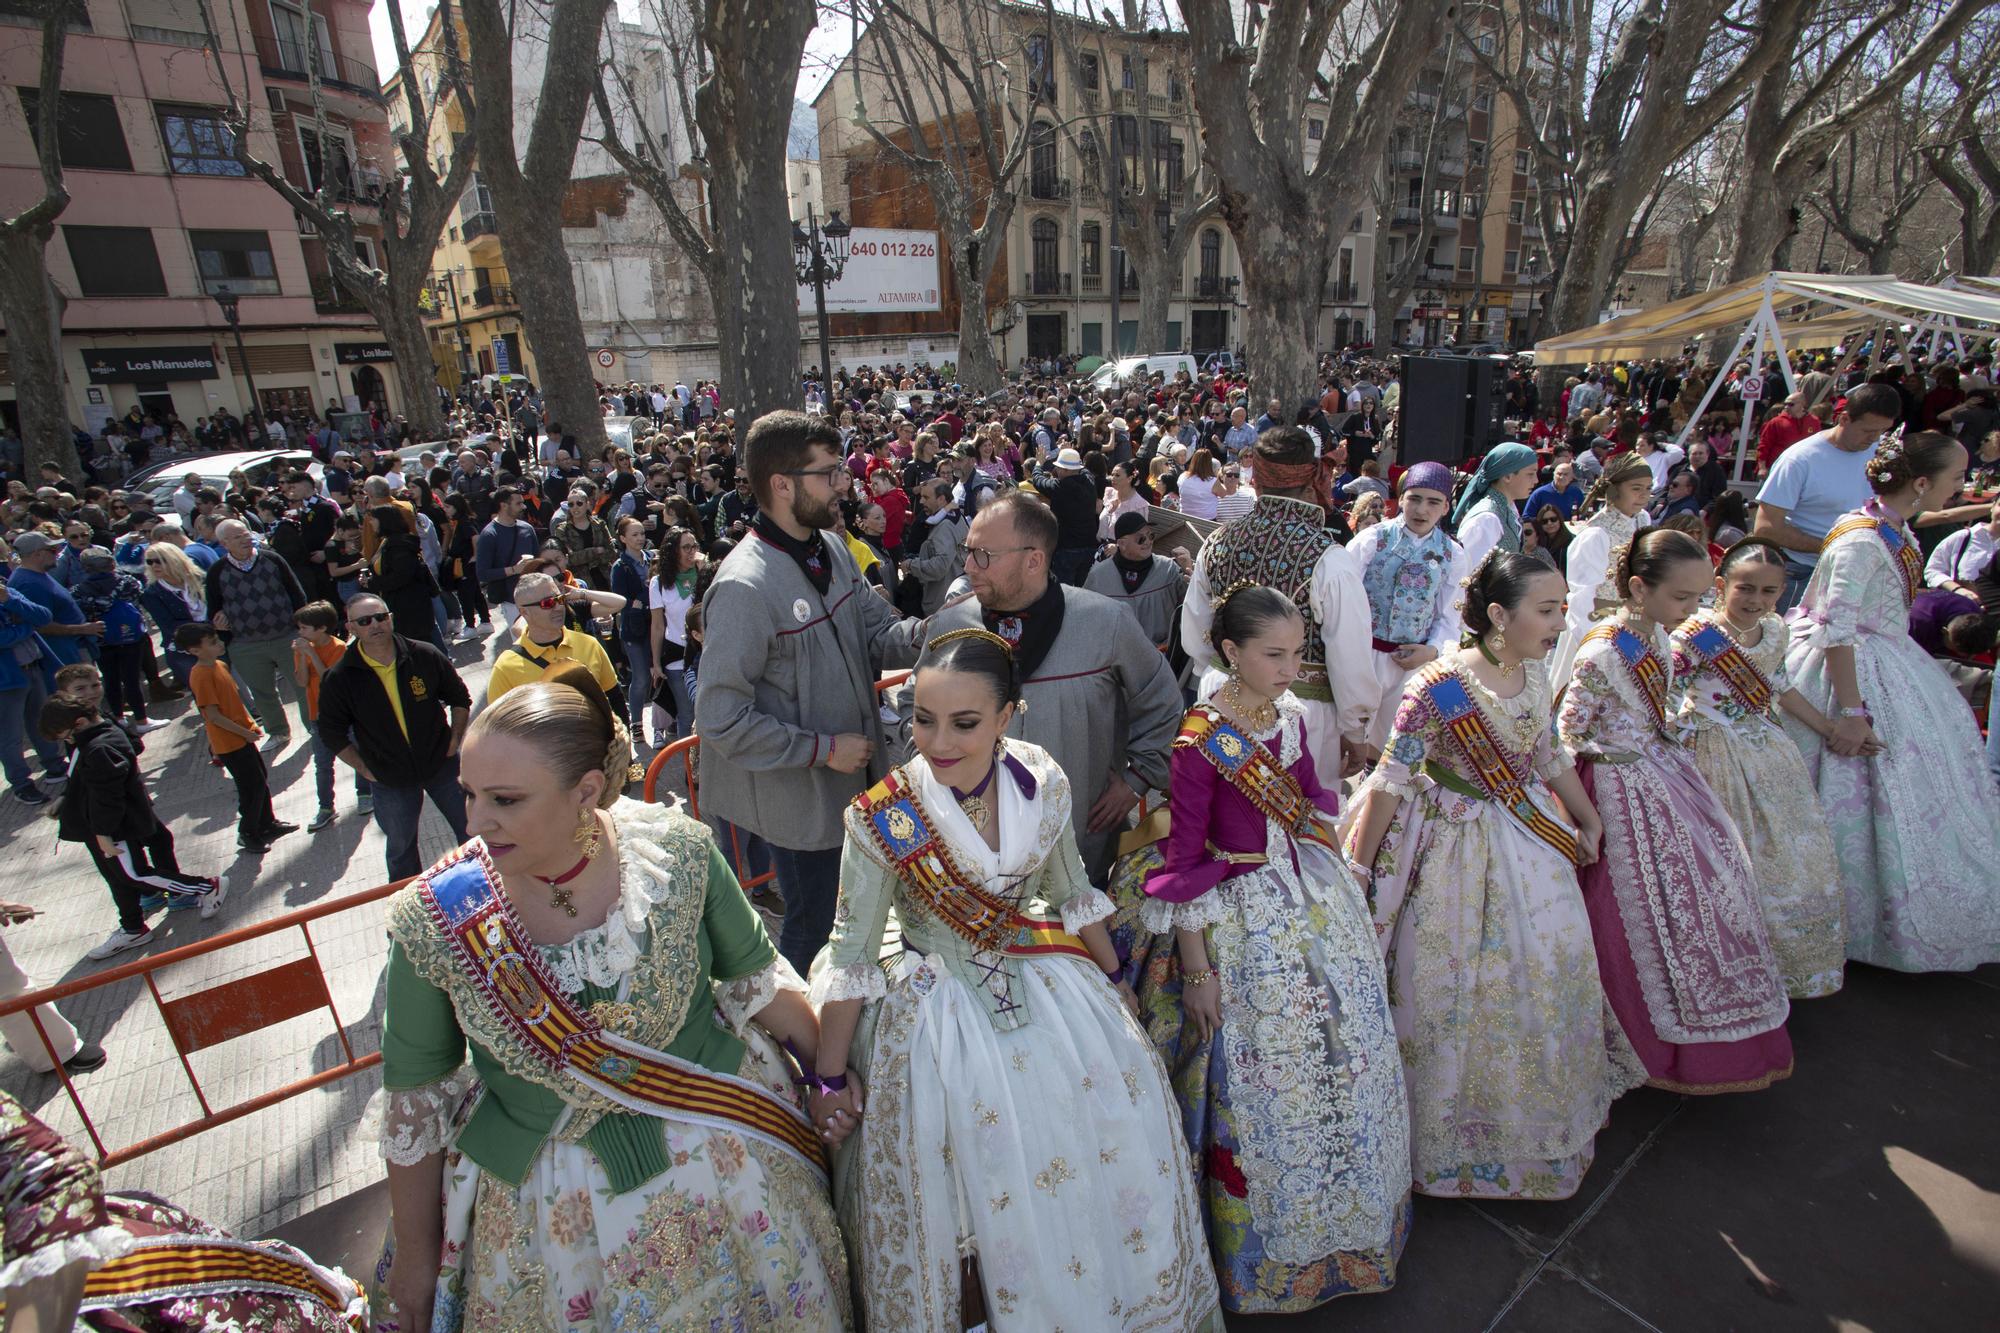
x: 232, y: 316
x: 1426, y: 299
x: 820, y: 255
x: 449, y: 277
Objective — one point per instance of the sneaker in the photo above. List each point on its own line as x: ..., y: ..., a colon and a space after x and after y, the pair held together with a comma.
x: 140, y: 728
x: 467, y: 633
x: 30, y: 794
x: 322, y: 819
x: 364, y: 806
x: 118, y: 941
x: 454, y: 629
x: 55, y: 781
x: 212, y: 901
x: 88, y: 1056
x: 273, y: 743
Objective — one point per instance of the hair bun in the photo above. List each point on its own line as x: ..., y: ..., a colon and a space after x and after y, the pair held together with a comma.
x: 618, y: 752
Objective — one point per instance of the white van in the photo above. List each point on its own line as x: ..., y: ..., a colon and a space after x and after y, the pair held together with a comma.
x: 1137, y: 369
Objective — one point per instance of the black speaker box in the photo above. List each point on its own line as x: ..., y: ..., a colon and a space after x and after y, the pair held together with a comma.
x: 1454, y: 408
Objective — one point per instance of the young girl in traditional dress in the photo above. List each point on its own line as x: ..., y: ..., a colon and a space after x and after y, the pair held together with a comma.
x: 1615, y: 507
x: 1489, y: 513
x: 1257, y: 935
x: 1916, y: 819
x: 1730, y: 662
x: 1413, y: 571
x: 1511, y: 1056
x: 1673, y: 902
x: 1018, y: 1147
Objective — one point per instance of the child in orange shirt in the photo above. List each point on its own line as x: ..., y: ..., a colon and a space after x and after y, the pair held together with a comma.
x: 232, y: 736
x: 316, y: 649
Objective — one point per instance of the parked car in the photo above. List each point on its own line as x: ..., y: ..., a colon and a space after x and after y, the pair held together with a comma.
x: 262, y: 466
x: 1137, y: 369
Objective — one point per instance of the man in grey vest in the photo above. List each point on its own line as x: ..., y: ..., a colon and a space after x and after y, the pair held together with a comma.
x: 941, y: 558
x: 793, y: 641
x: 252, y: 594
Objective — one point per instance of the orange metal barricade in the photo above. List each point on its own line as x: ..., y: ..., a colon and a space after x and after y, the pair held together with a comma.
x: 222, y: 1012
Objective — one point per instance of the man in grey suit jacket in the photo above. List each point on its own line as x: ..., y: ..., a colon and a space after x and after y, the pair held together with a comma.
x: 942, y: 556
x: 793, y: 641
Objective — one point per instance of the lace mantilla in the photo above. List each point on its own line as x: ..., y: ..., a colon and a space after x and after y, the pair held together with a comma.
x: 1158, y: 916
x: 1083, y: 909
x: 415, y: 1123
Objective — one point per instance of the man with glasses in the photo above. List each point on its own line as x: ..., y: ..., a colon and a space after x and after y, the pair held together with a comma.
x: 941, y: 557
x: 546, y: 638
x: 1147, y: 584
x: 69, y: 562
x: 1102, y: 699
x: 395, y: 711
x: 793, y: 641
x: 1231, y: 499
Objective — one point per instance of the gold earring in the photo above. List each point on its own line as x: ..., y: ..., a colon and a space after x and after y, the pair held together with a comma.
x: 588, y: 835
x: 1499, y: 640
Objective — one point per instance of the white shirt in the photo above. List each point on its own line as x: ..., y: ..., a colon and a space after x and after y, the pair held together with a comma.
x: 1961, y: 557
x: 1197, y: 496
x: 664, y: 597
x: 1234, y: 506
x: 1663, y: 462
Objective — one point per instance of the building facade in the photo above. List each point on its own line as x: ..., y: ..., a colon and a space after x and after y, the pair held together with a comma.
x: 162, y: 219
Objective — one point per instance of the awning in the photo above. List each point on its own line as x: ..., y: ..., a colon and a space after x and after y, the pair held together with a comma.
x: 1823, y: 307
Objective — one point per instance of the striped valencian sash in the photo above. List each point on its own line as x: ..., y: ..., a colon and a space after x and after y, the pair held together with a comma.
x: 1909, y: 563
x: 168, y: 1268
x: 1495, y: 773
x: 918, y: 854
x: 1253, y: 771
x: 1644, y: 664
x: 506, y: 973
x: 1700, y: 643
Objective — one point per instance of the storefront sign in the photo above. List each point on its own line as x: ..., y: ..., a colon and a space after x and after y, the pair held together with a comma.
x: 363, y: 354
x: 149, y: 365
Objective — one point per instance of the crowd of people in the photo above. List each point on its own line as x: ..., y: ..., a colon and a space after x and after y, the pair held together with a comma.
x: 1180, y: 916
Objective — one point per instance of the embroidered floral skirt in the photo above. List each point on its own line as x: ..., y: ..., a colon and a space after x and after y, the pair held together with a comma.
x: 1679, y: 930
x: 1296, y: 1106
x: 736, y: 1235
x: 1049, y: 1151
x: 1764, y: 786
x: 1510, y: 1052
x: 1916, y: 828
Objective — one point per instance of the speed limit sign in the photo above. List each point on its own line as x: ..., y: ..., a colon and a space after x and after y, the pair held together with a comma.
x: 605, y: 357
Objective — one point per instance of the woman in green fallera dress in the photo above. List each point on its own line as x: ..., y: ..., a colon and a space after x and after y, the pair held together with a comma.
x: 656, y: 1169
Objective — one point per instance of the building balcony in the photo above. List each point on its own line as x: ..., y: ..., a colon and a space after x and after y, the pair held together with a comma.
x: 1342, y: 293
x: 1444, y: 221
x: 1047, y: 284
x: 1406, y: 159
x: 1404, y: 215
x: 1419, y: 100
x: 1530, y: 229
x: 1048, y: 187
x: 1092, y: 282
x: 330, y: 298
x: 481, y: 234
x: 1437, y: 274
x: 491, y: 295
x: 296, y: 62
x: 1451, y: 164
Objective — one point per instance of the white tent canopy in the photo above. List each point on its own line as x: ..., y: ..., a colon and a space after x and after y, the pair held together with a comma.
x: 1777, y: 312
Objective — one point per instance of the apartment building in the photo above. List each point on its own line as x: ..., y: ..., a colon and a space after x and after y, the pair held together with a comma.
x: 162, y: 220
x: 1103, y: 105
x: 1461, y: 188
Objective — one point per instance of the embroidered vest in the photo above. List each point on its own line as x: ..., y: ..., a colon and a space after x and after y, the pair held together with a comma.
x: 1402, y: 580
x: 1278, y: 544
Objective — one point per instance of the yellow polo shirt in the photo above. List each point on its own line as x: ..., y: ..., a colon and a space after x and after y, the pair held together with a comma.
x: 513, y: 669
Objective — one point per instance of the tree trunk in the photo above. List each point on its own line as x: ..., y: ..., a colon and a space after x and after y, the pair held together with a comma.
x: 538, y: 267
x: 1284, y: 253
x: 1156, y: 274
x: 32, y: 309
x: 403, y: 329
x: 1586, y: 270
x: 978, y: 365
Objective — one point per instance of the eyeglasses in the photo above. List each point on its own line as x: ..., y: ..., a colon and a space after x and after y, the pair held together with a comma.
x: 980, y: 557
x: 837, y: 470
x: 547, y: 603
x: 154, y: 560
x: 375, y: 619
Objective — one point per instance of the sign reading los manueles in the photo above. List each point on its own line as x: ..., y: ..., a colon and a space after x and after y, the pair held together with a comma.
x: 148, y: 365
x: 887, y: 270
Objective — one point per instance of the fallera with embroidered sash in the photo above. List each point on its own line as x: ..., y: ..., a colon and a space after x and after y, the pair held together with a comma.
x: 1644, y: 664
x: 1708, y: 644
x: 507, y: 976
x: 1255, y: 772
x: 1909, y: 561
x: 1495, y: 776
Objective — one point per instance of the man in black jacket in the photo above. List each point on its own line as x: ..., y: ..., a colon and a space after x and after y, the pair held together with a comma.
x: 105, y: 807
x: 1073, y: 497
x: 395, y: 710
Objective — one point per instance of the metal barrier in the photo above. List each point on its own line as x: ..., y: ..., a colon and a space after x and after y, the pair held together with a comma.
x: 285, y: 991
x: 220, y: 1013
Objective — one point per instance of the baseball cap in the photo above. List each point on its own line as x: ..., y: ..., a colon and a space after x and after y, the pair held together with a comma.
x: 1129, y: 523
x: 28, y: 543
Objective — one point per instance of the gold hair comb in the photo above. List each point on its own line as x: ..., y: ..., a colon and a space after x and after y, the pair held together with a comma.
x: 971, y: 632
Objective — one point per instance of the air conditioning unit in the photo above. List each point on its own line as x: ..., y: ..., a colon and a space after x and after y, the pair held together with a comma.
x: 279, y: 107
x: 306, y: 227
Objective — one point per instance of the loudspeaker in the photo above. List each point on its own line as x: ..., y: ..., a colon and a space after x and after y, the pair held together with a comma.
x: 1454, y: 408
